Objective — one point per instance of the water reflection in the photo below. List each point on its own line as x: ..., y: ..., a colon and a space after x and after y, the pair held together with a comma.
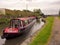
x: 14, y: 41
x: 2, y: 41
x: 36, y: 27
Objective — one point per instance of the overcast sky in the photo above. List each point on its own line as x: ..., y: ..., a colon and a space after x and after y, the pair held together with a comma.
x: 47, y: 6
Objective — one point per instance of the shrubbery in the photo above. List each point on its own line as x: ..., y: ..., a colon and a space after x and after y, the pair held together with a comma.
x: 4, y: 20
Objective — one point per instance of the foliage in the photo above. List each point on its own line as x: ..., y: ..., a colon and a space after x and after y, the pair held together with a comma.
x: 37, y: 12
x: 4, y: 21
x: 15, y: 13
x: 43, y: 35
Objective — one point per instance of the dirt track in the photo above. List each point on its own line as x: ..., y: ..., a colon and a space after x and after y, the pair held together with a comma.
x: 55, y: 35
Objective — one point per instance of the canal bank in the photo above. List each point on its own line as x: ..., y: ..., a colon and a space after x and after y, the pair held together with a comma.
x: 42, y: 36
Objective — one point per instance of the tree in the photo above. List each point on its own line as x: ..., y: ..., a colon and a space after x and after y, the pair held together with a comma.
x: 37, y: 12
x: 26, y: 10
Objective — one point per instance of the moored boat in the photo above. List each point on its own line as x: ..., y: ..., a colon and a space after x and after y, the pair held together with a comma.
x: 18, y: 26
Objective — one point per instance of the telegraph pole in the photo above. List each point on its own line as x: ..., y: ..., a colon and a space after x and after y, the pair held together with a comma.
x: 27, y: 1
x: 26, y: 6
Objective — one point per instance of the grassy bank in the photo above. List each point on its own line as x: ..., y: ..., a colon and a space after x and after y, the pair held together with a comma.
x: 59, y: 17
x: 43, y: 35
x: 4, y: 20
x: 3, y: 23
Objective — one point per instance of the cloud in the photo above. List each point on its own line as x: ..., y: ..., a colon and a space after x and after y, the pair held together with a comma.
x: 48, y: 5
x: 8, y: 2
x: 57, y: 2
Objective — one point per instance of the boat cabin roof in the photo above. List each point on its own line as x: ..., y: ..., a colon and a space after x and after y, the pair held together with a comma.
x: 23, y: 18
x: 26, y: 18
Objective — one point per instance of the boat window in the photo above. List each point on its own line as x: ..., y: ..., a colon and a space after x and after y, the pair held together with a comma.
x: 25, y: 22
x: 30, y: 20
x: 15, y: 23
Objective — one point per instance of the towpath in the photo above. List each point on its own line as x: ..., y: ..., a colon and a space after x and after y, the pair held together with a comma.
x: 55, y: 34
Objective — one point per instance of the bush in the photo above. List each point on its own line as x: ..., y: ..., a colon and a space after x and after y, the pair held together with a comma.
x: 4, y: 20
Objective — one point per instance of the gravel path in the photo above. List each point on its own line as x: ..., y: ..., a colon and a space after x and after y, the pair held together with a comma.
x: 55, y: 35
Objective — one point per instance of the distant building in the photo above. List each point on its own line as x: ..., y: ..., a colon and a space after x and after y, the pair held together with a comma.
x: 2, y: 11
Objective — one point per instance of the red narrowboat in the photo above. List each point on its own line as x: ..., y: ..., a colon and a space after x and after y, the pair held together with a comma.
x: 18, y: 26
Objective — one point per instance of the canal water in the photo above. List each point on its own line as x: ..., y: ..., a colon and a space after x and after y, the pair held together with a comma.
x: 23, y: 37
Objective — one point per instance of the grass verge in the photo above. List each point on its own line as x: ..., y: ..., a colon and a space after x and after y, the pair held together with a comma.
x: 43, y: 35
x: 3, y: 23
x: 59, y: 17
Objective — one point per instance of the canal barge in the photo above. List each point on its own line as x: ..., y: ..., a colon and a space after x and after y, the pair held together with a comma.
x: 18, y: 26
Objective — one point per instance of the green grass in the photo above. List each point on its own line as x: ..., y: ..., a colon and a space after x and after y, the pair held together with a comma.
x: 43, y: 36
x: 59, y: 17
